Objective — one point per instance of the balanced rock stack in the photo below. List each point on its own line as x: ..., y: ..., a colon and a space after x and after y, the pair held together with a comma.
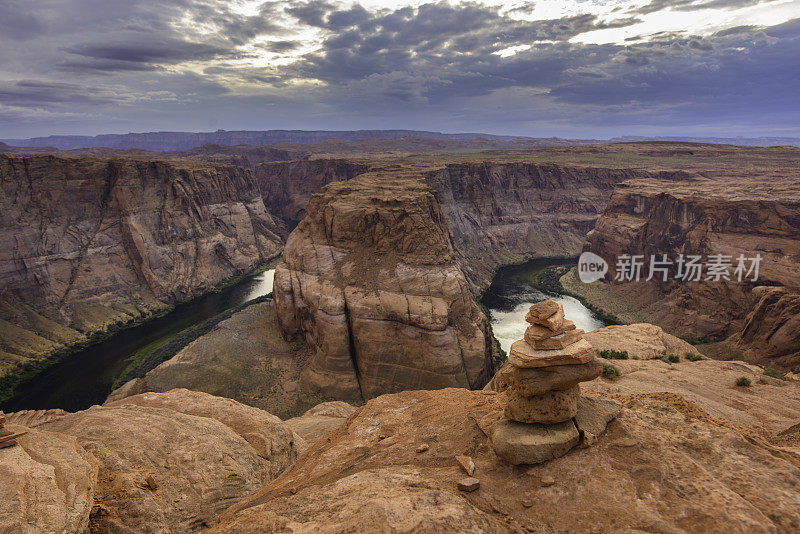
x: 542, y: 376
x: 544, y: 369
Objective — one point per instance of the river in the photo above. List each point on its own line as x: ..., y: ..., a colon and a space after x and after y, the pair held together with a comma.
x: 86, y: 377
x: 512, y: 292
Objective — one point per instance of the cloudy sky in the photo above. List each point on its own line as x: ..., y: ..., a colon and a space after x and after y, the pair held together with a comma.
x: 571, y: 68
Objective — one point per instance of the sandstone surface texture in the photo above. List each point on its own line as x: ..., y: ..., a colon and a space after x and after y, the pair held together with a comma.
x: 47, y: 482
x: 655, y: 468
x: 320, y: 420
x: 91, y: 243
x: 641, y: 340
x: 244, y: 358
x: 371, y: 281
x: 174, y: 461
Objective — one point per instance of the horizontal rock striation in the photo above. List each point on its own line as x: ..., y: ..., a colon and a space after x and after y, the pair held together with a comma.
x: 88, y: 243
x: 501, y: 213
x: 701, y: 216
x: 498, y: 212
x: 371, y: 280
x: 287, y: 187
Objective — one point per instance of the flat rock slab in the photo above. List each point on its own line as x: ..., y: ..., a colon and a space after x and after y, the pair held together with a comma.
x: 594, y: 414
x: 469, y: 484
x: 536, y: 332
x: 548, y: 408
x: 542, y: 310
x: 522, y: 443
x: 523, y: 355
x: 538, y: 380
x: 556, y: 342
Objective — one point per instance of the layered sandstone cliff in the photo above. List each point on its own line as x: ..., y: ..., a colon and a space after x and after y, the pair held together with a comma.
x: 502, y: 213
x: 88, y: 243
x: 701, y: 216
x: 371, y: 280
x: 499, y: 212
x: 287, y: 187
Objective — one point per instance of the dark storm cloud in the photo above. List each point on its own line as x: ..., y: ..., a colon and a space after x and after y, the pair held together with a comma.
x: 169, y: 51
x: 139, y: 62
x: 37, y: 93
x: 280, y: 47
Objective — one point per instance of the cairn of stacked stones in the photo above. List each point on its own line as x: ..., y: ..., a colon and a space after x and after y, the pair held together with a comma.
x: 542, y: 376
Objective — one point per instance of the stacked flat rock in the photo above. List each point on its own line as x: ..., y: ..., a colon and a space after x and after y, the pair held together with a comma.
x: 542, y: 373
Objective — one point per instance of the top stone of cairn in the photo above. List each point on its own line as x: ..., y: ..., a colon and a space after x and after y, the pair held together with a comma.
x: 548, y: 313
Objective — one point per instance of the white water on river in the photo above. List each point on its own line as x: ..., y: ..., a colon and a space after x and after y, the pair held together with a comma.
x: 509, y: 326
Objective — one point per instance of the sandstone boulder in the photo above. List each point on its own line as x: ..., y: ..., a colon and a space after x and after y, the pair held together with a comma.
x: 556, y: 342
x: 524, y: 356
x: 547, y: 408
x: 641, y: 339
x: 537, y: 380
x: 593, y: 416
x: 163, y: 470
x: 47, y: 483
x: 521, y: 443
x: 271, y: 438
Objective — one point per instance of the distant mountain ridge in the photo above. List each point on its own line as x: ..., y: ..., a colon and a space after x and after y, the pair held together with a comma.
x: 740, y: 141
x: 176, y: 141
x: 186, y: 140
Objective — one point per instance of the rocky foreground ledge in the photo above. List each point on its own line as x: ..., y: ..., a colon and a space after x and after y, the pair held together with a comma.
x: 689, y: 451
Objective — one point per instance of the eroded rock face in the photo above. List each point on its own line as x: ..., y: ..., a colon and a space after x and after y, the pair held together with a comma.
x: 47, y: 482
x: 698, y: 215
x: 369, y: 473
x: 287, y: 187
x: 371, y: 280
x: 92, y: 242
x: 502, y: 213
x: 174, y: 461
x: 641, y: 340
x: 771, y: 331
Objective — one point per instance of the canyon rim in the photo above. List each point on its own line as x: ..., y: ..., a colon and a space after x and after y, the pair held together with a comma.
x: 399, y: 267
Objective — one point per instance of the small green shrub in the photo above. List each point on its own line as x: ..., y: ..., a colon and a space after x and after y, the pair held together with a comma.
x: 743, y: 381
x: 692, y: 357
x: 610, y: 354
x: 774, y: 373
x: 763, y: 380
x: 673, y: 358
x: 610, y: 371
x: 797, y: 370
x: 635, y: 357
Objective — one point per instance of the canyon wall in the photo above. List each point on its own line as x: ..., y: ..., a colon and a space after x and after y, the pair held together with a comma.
x: 498, y: 212
x: 287, y: 187
x: 502, y: 213
x: 88, y: 243
x: 371, y: 280
x: 700, y: 216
